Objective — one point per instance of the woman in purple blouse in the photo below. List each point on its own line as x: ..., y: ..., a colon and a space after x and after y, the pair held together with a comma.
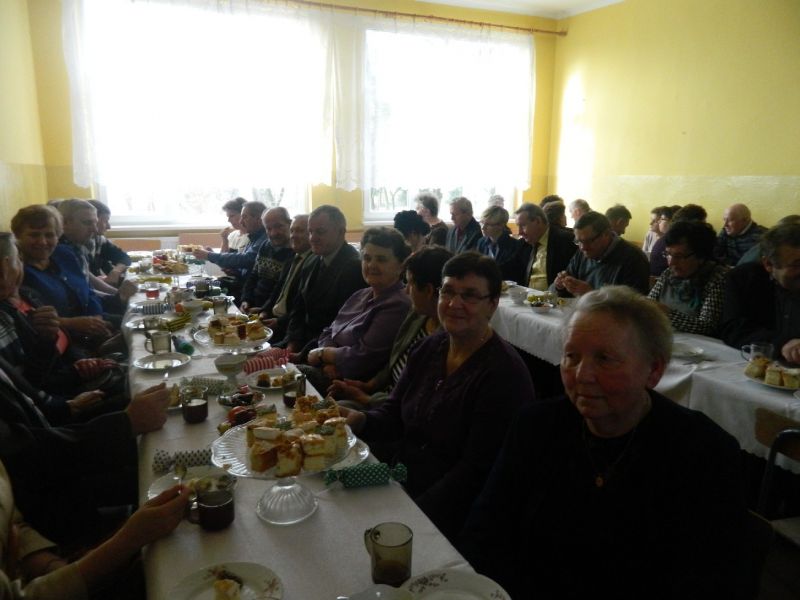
x: 358, y: 342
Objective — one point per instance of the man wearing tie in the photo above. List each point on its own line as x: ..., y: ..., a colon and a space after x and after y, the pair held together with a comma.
x: 327, y: 279
x: 546, y: 251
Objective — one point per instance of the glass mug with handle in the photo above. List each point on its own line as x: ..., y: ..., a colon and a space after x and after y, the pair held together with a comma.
x: 160, y: 342
x: 757, y: 350
x: 389, y: 546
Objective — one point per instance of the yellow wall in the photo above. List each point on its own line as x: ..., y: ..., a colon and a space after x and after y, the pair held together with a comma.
x: 682, y: 101
x: 22, y: 173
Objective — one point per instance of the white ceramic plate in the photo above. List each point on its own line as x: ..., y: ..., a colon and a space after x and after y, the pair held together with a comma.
x: 162, y: 362
x: 252, y: 379
x: 449, y: 584
x: 214, y: 473
x: 162, y: 287
x: 230, y: 450
x: 762, y: 382
x: 259, y: 582
x: 201, y: 336
x: 681, y: 350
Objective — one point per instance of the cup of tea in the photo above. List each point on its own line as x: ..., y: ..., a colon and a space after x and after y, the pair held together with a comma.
x: 213, y: 510
x: 757, y: 350
x: 220, y: 304
x: 195, y: 410
x: 518, y: 294
x: 389, y: 547
x: 159, y: 342
x: 151, y: 291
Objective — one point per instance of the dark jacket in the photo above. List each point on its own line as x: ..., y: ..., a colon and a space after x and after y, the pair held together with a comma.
x: 623, y: 264
x: 507, y: 248
x: 668, y: 522
x: 265, y: 274
x: 469, y: 241
x: 322, y: 293
x: 560, y: 249
x: 438, y: 235
x: 294, y: 288
x: 757, y: 309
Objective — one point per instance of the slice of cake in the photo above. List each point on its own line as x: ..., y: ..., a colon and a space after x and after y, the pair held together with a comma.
x: 791, y: 378
x: 757, y: 367
x: 329, y: 437
x: 339, y: 425
x: 227, y: 589
x: 773, y: 375
x: 290, y: 460
x: 262, y: 456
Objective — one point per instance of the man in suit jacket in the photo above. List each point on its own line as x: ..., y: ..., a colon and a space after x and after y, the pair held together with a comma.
x: 466, y: 232
x: 545, y: 252
x: 276, y: 311
x: 329, y: 278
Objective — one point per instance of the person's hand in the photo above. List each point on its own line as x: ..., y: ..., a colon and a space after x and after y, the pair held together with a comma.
x: 45, y: 321
x: 559, y: 280
x: 93, y: 326
x: 225, y: 233
x: 115, y: 274
x: 267, y: 321
x: 347, y: 389
x: 791, y: 351
x: 200, y: 254
x: 244, y: 306
x: 127, y: 289
x: 156, y: 518
x: 315, y: 357
x: 576, y: 287
x: 89, y: 368
x: 355, y: 418
x: 85, y: 401
x: 147, y: 410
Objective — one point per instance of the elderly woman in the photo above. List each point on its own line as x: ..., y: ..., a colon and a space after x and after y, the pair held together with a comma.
x: 423, y: 277
x: 613, y: 491
x: 54, y: 272
x: 497, y: 242
x: 690, y: 291
x: 413, y: 227
x: 358, y: 342
x: 428, y: 209
x: 451, y: 408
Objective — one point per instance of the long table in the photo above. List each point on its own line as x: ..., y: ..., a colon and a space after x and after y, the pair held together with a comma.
x: 716, y: 386
x: 319, y: 558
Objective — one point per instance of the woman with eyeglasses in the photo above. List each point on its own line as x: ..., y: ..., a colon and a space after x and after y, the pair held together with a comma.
x: 690, y: 290
x: 657, y: 261
x: 497, y: 242
x: 448, y: 414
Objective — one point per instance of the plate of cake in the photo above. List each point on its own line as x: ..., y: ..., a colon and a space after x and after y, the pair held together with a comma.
x: 230, y: 581
x: 772, y: 374
x: 233, y: 331
x: 312, y: 438
x: 273, y: 379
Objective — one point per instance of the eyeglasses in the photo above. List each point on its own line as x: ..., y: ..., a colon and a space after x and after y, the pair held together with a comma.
x: 669, y: 256
x: 469, y: 297
x: 587, y: 241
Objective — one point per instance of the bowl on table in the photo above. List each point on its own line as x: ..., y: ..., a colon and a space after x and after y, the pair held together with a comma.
x: 518, y: 295
x: 230, y: 365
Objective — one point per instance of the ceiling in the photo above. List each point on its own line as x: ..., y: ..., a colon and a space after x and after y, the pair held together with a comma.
x: 552, y: 9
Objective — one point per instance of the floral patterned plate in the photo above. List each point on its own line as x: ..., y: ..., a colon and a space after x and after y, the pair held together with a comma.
x: 447, y: 584
x: 258, y: 582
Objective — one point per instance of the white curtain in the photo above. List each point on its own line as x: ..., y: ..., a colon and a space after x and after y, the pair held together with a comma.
x: 423, y: 105
x: 179, y: 104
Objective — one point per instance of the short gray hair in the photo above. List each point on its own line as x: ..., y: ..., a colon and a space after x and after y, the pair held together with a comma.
x: 533, y: 211
x: 335, y: 215
x: 626, y: 305
x: 281, y: 210
x: 254, y: 207
x: 579, y: 203
x: 70, y: 207
x: 495, y: 214
x: 461, y: 203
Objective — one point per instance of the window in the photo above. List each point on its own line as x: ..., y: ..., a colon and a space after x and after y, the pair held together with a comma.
x: 448, y: 109
x: 182, y: 108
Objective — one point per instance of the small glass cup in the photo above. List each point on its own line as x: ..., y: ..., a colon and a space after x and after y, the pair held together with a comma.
x: 389, y: 546
x: 214, y: 510
x: 160, y: 342
x: 151, y: 291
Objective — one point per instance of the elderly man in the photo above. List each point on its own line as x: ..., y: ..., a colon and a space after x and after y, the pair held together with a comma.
x: 275, y: 312
x: 270, y: 260
x: 619, y: 217
x: 326, y: 281
x: 578, y: 208
x: 80, y: 226
x: 466, y: 231
x: 545, y: 252
x: 762, y: 299
x: 738, y: 234
x: 604, y: 259
x: 106, y: 259
x: 241, y: 263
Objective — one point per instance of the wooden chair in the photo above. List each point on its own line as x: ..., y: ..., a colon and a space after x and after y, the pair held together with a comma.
x: 134, y: 244
x: 781, y: 435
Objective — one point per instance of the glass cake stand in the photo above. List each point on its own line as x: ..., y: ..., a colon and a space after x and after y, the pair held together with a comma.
x: 287, y: 502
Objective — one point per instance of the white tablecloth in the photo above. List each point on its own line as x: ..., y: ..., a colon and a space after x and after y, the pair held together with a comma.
x: 319, y: 558
x: 716, y: 387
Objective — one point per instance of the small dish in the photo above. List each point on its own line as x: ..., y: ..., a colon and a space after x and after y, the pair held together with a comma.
x: 214, y: 477
x: 162, y: 362
x: 681, y: 350
x: 257, y: 582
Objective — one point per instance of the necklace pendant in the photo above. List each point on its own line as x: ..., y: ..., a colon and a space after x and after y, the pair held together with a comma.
x: 599, y: 481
